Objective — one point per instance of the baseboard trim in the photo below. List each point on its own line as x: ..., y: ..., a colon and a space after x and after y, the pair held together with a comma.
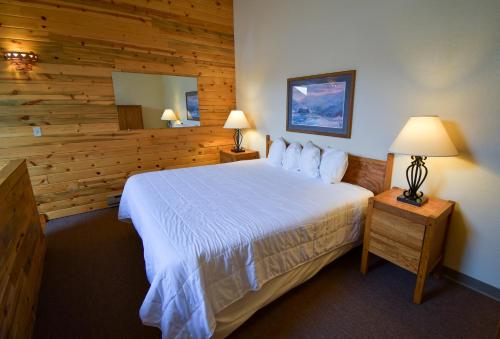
x: 472, y: 283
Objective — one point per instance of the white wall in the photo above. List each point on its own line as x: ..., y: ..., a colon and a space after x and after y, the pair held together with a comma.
x: 412, y: 58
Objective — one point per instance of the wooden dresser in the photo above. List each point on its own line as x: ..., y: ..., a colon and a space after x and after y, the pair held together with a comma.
x: 409, y: 236
x: 22, y: 251
x: 230, y: 156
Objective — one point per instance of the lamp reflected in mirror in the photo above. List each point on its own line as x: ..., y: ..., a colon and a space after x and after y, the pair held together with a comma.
x: 169, y: 116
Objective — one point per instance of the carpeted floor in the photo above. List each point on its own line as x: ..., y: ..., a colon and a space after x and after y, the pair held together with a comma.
x: 94, y: 283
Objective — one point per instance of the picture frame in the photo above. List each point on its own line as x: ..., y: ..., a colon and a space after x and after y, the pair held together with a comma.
x: 321, y: 104
x: 192, y: 106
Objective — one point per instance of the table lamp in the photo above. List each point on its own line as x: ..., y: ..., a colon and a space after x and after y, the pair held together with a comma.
x: 169, y: 116
x: 238, y: 121
x: 421, y: 137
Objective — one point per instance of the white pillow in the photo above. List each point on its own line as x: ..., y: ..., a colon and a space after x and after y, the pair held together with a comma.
x: 333, y: 166
x: 291, y: 160
x: 309, y: 160
x: 277, y: 152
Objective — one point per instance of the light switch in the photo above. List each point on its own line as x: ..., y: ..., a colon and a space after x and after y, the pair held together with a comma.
x: 37, y: 131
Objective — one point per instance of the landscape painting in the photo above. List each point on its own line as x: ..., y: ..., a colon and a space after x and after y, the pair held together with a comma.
x: 321, y: 104
x: 193, y: 111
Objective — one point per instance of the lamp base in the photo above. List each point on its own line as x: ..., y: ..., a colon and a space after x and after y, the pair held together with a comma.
x: 417, y: 202
x: 415, y: 175
x: 238, y: 138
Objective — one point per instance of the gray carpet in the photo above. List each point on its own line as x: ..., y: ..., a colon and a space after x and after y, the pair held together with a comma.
x: 94, y: 283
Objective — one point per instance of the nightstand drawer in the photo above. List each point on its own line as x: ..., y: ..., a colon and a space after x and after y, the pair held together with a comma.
x: 398, y: 229
x: 397, y: 253
x: 229, y: 156
x: 226, y: 158
x: 244, y: 156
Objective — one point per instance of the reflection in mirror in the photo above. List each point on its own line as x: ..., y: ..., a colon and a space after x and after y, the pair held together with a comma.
x: 156, y: 101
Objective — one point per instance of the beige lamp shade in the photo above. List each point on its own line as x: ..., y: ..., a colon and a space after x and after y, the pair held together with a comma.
x: 236, y: 119
x: 424, y: 136
x: 169, y: 115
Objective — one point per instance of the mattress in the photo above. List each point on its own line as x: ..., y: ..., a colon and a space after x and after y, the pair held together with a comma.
x: 213, y: 234
x: 233, y: 316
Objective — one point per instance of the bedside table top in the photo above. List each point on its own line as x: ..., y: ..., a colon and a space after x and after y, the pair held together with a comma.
x: 433, y: 208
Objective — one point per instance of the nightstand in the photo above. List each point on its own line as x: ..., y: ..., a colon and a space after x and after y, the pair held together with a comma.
x: 409, y: 236
x: 230, y: 156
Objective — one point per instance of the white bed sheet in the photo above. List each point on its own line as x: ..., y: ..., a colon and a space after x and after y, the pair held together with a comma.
x: 213, y: 233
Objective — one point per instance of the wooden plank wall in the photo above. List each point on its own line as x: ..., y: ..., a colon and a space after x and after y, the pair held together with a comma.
x: 82, y: 157
x: 22, y: 251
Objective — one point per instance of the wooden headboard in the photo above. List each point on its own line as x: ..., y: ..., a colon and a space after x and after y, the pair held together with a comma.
x: 372, y: 174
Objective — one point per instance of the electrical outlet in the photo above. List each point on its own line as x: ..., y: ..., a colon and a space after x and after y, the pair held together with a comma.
x: 37, y: 131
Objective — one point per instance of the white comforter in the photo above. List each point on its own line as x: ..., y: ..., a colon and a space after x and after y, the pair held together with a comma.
x: 213, y: 233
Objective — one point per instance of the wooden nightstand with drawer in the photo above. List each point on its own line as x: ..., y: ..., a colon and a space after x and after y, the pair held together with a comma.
x: 230, y: 156
x: 409, y: 236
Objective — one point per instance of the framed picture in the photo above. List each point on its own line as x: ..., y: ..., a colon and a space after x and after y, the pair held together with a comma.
x: 321, y: 104
x: 193, y: 111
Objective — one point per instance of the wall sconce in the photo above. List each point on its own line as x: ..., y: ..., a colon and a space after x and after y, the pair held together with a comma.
x: 22, y: 60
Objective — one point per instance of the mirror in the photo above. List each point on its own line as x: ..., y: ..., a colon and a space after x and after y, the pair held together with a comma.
x: 155, y: 101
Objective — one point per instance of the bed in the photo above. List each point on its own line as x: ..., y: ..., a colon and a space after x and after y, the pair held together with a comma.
x: 222, y: 241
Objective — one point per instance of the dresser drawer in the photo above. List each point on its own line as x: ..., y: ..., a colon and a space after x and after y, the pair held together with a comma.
x: 397, y: 253
x: 398, y: 229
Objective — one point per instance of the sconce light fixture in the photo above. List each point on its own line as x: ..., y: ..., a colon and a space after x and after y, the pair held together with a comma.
x: 22, y: 60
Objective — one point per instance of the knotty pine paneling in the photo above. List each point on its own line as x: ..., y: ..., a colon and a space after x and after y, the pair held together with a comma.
x: 82, y: 157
